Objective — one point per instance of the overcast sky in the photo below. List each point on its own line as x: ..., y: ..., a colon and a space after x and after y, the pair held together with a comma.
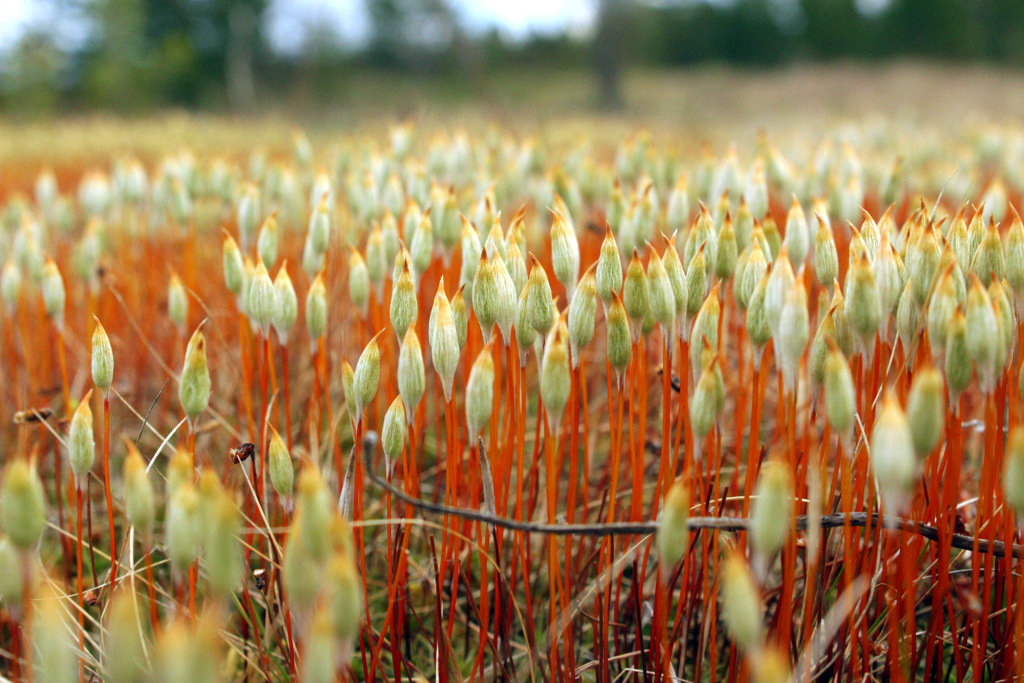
x: 287, y: 18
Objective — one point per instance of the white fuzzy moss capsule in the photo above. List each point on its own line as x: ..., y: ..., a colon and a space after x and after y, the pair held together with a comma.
x: 139, y: 498
x: 582, y: 313
x: 758, y: 328
x: 705, y: 325
x: 863, y: 305
x: 506, y: 311
x: 754, y: 267
x: 565, y: 252
x: 320, y: 226
x: 232, y: 265
x: 10, y: 285
x: 526, y: 335
x: 781, y: 280
x: 818, y: 351
x: 421, y: 247
x: 195, y: 386
x: 471, y: 251
x: 358, y: 280
x: 540, y: 307
x: 1013, y: 470
x: 741, y: 604
x: 989, y: 259
x: 102, y: 359
x: 925, y: 254
x: 480, y: 391
x: 771, y: 514
x: 673, y: 533
x: 662, y: 298
x: 1014, y: 256
x: 81, y: 444
x: 485, y: 295
x: 280, y: 467
x: 22, y: 504
x: 267, y: 241
x: 555, y: 382
x: 676, y: 277
x: 982, y: 334
x: 248, y: 214
x: 797, y: 239
x: 262, y: 299
x: 706, y: 403
x: 826, y: 258
x: 888, y: 274
x: 177, y: 302
x: 444, y: 343
x: 411, y: 373
x: 908, y: 317
x: 53, y: 293
x: 728, y: 250
x: 941, y: 306
x: 461, y: 316
x: 321, y: 652
x: 316, y: 309
x: 404, y: 307
x: 619, y: 343
x: 186, y: 652
x: 636, y: 295
x: 840, y: 394
x: 286, y: 304
x: 794, y: 331
x: 392, y: 432
x: 608, y: 275
x: 516, y: 265
x: 366, y: 375
x: 926, y: 410
x: 346, y: 599
x: 53, y: 656
x: 958, y: 361
x: 182, y: 528
x: 12, y: 584
x: 124, y: 653
x: 892, y: 454
x: 223, y: 551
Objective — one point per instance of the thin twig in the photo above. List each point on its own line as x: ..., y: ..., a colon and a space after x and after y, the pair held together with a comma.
x: 832, y: 521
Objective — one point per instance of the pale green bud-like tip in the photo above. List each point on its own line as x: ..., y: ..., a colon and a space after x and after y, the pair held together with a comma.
x: 102, y: 358
x: 1013, y: 470
x: 411, y: 373
x: 480, y: 391
x: 81, y: 444
x: 771, y: 513
x: 392, y: 432
x: 195, y: 387
x: 404, y: 307
x: 286, y: 304
x: 316, y: 308
x: 555, y: 382
x: 892, y: 454
x: 367, y: 374
x: 926, y: 410
x: 22, y: 504
x: 582, y: 314
x: 673, y: 533
x: 177, y: 302
x: 741, y: 604
x: 140, y: 500
x: 279, y: 466
x: 261, y: 298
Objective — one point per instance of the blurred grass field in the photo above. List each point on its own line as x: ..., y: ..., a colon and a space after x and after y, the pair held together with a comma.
x: 716, y: 105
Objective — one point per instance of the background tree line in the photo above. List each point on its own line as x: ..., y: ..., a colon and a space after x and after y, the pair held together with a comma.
x: 214, y: 54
